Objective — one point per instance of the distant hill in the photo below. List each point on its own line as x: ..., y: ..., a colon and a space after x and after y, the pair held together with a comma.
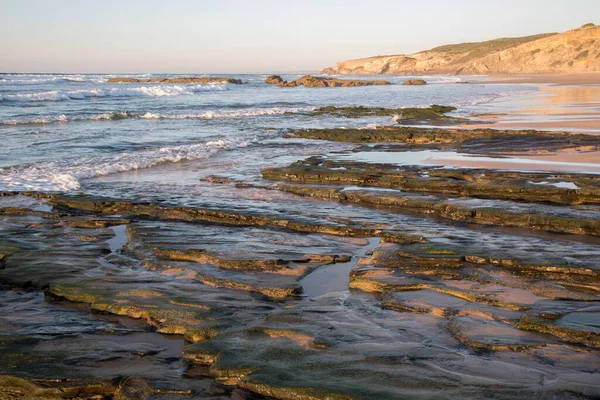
x: 574, y: 51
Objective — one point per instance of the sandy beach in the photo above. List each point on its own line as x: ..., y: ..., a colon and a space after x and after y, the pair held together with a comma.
x: 557, y: 79
x: 564, y: 162
x: 569, y: 102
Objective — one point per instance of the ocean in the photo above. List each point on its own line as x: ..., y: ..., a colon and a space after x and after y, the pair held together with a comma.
x: 73, y: 132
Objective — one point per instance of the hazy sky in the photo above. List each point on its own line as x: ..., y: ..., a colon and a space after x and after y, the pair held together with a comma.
x: 256, y: 35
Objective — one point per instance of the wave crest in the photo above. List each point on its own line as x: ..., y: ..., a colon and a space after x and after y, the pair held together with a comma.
x: 118, y: 115
x: 154, y: 91
x: 64, y: 176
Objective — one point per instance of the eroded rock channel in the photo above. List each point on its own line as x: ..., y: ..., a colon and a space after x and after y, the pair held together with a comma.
x: 329, y: 278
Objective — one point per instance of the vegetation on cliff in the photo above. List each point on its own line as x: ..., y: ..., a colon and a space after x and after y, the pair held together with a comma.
x: 574, y: 51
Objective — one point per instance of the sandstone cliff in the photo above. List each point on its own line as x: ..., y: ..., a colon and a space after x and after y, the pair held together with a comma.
x: 574, y: 51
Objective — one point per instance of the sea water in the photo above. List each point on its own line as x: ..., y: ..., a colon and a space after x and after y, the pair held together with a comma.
x: 64, y: 132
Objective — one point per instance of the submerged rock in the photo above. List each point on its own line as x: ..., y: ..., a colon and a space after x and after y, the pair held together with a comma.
x: 133, y: 389
x: 110, y: 207
x: 457, y: 312
x: 478, y: 183
x: 337, y: 347
x: 14, y: 387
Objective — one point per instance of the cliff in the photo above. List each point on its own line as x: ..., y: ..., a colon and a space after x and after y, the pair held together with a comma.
x: 574, y: 51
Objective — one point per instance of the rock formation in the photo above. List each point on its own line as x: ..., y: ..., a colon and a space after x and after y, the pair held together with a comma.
x: 274, y: 80
x: 176, y: 80
x: 323, y: 82
x: 414, y: 82
x: 574, y: 51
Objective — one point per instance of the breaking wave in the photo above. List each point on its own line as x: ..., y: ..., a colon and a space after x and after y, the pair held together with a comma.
x: 7, y: 79
x: 251, y: 112
x: 159, y: 91
x: 64, y: 176
x: 54, y: 79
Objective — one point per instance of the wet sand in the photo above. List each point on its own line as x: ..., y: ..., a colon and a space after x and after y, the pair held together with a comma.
x: 557, y: 103
x: 557, y: 163
x: 562, y: 102
x: 579, y: 126
x: 561, y: 79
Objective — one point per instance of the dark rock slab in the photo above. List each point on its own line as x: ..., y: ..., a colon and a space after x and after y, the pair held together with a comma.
x: 341, y: 348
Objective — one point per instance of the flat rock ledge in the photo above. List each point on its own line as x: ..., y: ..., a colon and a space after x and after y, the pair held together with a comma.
x: 176, y: 80
x: 323, y: 82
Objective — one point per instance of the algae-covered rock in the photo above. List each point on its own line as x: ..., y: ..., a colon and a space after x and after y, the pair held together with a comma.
x: 143, y: 210
x: 452, y: 210
x: 341, y: 348
x: 477, y: 141
x: 133, y: 389
x: 455, y: 310
x: 479, y: 183
x: 13, y: 387
x: 402, y: 115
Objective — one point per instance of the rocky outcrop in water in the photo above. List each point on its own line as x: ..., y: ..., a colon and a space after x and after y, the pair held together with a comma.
x: 432, y: 115
x: 414, y: 82
x: 274, y: 80
x: 496, y: 141
x: 574, y: 51
x: 324, y: 82
x: 203, y: 80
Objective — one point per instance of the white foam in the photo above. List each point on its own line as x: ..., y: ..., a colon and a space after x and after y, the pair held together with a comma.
x: 38, y: 120
x: 105, y: 116
x: 486, y: 98
x: 368, y: 126
x: 435, y: 79
x: 375, y: 189
x: 40, y: 79
x: 251, y: 112
x: 562, y: 185
x: 64, y: 175
x: 49, y: 182
x: 154, y: 91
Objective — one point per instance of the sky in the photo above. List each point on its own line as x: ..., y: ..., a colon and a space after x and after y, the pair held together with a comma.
x: 256, y: 36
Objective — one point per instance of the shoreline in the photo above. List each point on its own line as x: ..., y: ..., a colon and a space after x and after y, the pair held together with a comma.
x: 565, y: 102
x: 584, y: 162
x: 584, y: 78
